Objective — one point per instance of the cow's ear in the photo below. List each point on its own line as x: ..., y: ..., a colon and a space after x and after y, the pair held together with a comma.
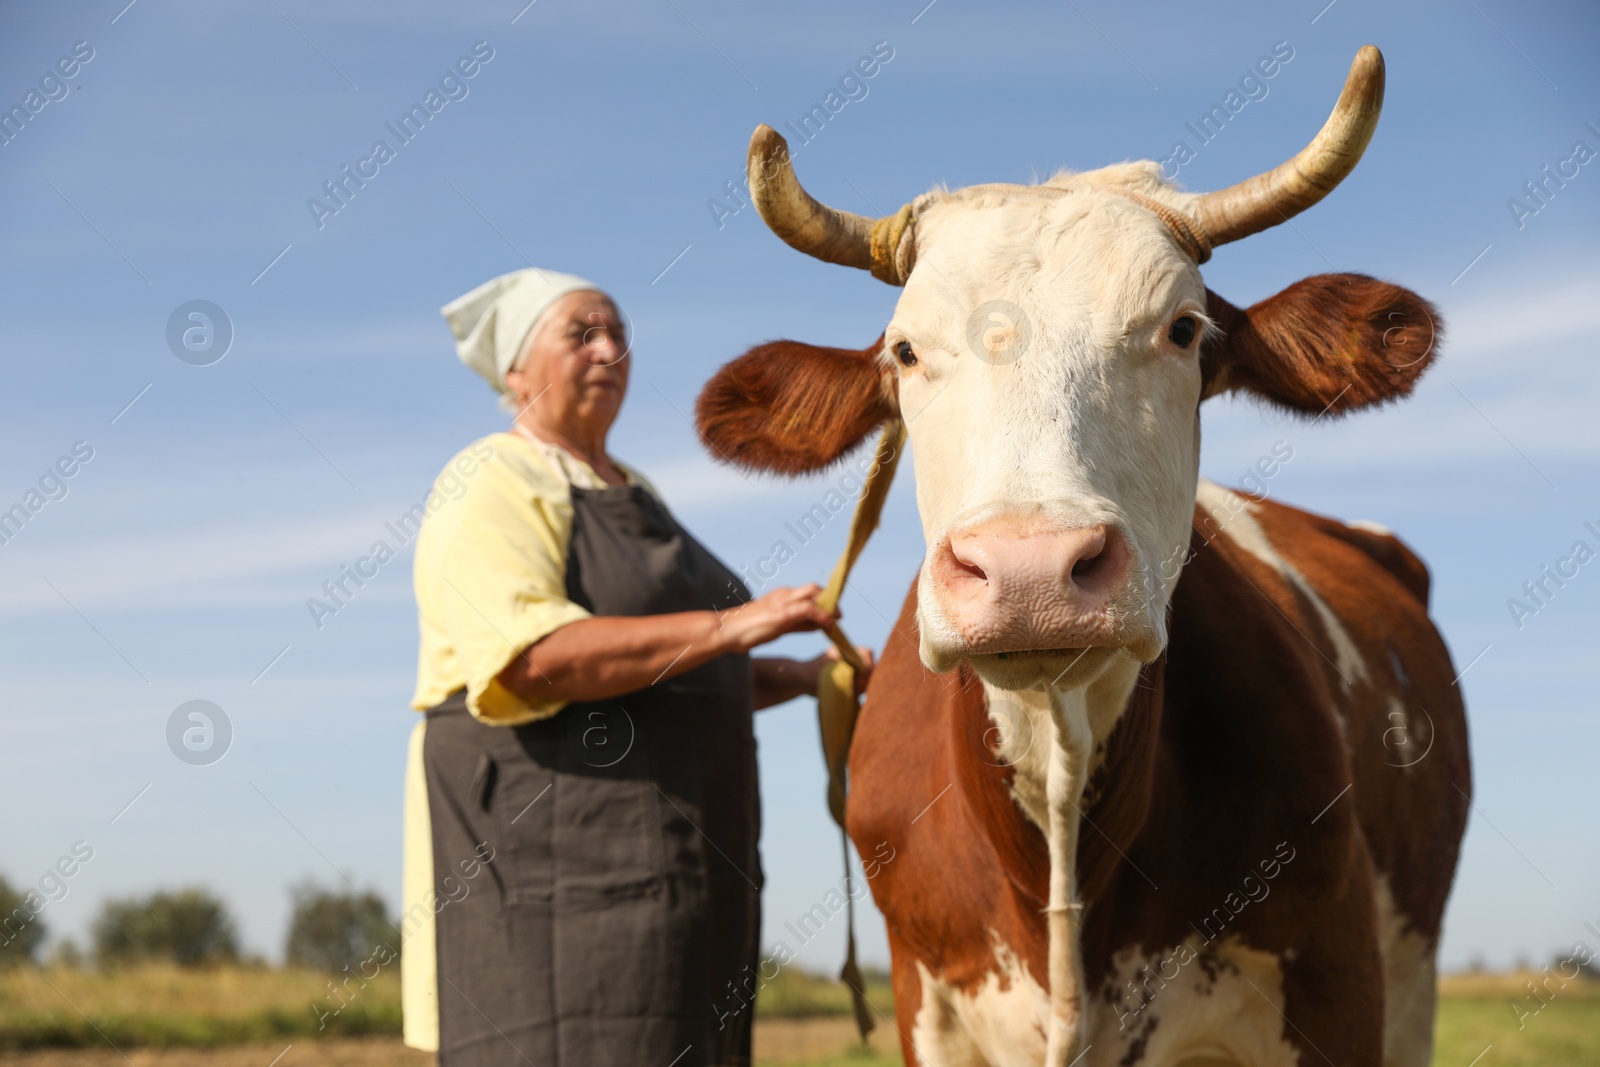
x: 788, y: 407
x: 1330, y: 344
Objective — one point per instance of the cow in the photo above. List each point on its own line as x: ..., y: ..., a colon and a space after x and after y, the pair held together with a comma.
x: 1171, y: 772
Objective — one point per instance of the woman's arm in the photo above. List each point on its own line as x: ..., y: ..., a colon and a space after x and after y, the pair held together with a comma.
x: 607, y: 656
x: 778, y: 679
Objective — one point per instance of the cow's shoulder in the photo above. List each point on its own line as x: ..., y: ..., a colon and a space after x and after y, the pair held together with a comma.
x: 1353, y: 599
x: 1345, y: 588
x: 1376, y: 542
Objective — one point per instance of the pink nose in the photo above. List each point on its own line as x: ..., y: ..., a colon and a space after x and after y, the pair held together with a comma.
x: 1010, y: 589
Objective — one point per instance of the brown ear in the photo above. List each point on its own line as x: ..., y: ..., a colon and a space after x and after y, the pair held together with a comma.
x: 789, y: 407
x: 1330, y: 344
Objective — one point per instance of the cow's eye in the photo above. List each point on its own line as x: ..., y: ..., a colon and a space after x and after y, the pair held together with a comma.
x: 1182, y: 331
x: 903, y: 353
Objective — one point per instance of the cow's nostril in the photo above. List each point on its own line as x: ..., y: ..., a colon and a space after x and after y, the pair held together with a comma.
x: 965, y: 558
x: 971, y: 568
x: 1095, y: 555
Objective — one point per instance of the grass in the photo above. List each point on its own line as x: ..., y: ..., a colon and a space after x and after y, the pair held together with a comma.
x: 802, y: 1019
x: 822, y: 1041
x: 1475, y: 1013
x: 167, y: 1006
x: 797, y: 994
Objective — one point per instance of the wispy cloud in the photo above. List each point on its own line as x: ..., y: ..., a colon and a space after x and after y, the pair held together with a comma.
x: 188, y: 567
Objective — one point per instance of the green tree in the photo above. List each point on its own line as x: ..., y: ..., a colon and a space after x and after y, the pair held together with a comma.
x: 21, y: 929
x: 330, y: 930
x: 189, y: 927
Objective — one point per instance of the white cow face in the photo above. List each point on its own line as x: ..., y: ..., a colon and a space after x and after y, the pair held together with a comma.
x: 1047, y: 355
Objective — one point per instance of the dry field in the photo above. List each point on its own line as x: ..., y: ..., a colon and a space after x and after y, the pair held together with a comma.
x: 247, y: 1017
x: 827, y: 1040
x: 259, y: 1018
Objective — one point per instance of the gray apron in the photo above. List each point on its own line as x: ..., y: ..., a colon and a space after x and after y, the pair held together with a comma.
x: 623, y: 900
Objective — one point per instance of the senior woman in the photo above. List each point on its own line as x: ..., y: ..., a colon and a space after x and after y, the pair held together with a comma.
x: 581, y: 801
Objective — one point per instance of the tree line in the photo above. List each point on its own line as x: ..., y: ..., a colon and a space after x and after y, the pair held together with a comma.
x: 329, y: 930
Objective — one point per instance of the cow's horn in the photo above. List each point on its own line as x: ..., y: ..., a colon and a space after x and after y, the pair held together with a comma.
x: 882, y: 246
x: 1288, y: 189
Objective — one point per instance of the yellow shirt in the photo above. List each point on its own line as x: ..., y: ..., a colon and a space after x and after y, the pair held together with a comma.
x: 491, y: 570
x: 491, y: 579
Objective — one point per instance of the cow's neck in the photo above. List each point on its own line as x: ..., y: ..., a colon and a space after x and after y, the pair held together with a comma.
x: 1067, y: 729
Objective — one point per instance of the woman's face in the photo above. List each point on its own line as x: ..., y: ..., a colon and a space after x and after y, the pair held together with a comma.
x: 575, y: 366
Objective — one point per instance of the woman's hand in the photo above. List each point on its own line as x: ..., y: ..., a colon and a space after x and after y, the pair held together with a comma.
x: 831, y: 656
x: 769, y: 617
x: 604, y: 657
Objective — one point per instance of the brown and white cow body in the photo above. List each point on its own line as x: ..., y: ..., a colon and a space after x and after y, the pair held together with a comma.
x: 1239, y: 903
x: 1137, y: 819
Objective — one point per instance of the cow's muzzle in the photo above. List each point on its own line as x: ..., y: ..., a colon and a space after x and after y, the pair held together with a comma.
x: 1009, y: 591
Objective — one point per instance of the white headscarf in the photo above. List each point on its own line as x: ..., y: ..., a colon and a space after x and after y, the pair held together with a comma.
x: 492, y: 323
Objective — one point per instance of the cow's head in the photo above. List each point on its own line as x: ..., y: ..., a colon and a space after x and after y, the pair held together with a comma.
x: 1049, y: 354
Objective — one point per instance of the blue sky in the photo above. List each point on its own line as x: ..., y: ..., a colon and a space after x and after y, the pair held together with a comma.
x: 179, y: 165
